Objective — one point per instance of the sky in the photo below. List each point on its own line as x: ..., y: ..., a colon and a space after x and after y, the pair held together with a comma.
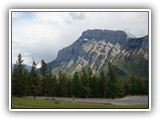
x: 40, y: 35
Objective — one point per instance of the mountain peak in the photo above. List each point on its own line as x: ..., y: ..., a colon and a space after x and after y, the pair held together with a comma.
x: 111, y: 36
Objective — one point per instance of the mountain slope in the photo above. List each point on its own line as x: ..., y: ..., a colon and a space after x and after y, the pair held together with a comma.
x: 95, y: 48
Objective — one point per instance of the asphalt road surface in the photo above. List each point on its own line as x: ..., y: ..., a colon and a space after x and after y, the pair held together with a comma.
x: 129, y: 100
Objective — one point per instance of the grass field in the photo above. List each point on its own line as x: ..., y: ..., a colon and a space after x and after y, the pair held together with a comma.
x: 39, y: 103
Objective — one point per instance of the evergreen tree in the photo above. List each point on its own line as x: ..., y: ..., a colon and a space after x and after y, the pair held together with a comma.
x: 126, y: 88
x: 90, y: 80
x: 138, y: 86
x: 94, y: 87
x: 50, y: 83
x: 85, y: 84
x: 26, y: 82
x: 112, y: 83
x: 54, y: 85
x: 76, y: 85
x: 34, y: 80
x: 145, y: 87
x: 44, y: 77
x: 19, y: 77
x: 43, y: 68
x: 62, y: 78
x: 133, y: 85
x: 102, y: 84
x: 69, y: 92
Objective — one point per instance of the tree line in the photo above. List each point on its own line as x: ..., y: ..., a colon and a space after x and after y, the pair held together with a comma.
x: 84, y: 83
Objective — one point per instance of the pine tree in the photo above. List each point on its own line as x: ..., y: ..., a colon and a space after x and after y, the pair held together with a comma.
x: 85, y: 83
x: 102, y: 84
x: 54, y: 85
x: 126, y: 88
x: 112, y: 83
x: 19, y: 77
x: 76, y: 85
x: 136, y: 85
x: 139, y: 86
x: 94, y: 87
x: 34, y: 80
x: 44, y: 78
x: 27, y: 83
x: 145, y: 87
x: 62, y: 78
x: 68, y: 87
x: 90, y: 80
x: 50, y: 83
x: 133, y: 85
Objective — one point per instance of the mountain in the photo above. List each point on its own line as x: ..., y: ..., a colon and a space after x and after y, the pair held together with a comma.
x: 28, y: 67
x: 95, y: 48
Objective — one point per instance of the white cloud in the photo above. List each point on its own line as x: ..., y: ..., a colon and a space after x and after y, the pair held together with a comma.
x: 43, y: 34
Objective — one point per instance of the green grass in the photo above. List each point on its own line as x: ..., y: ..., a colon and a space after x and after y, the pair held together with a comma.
x: 37, y: 103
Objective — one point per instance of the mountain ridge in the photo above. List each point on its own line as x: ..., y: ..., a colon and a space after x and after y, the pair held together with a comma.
x: 95, y: 48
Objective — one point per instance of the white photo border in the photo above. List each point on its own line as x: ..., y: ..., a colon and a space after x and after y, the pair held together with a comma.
x: 77, y: 10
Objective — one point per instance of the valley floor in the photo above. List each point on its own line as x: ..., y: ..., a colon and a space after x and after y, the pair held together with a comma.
x: 133, y: 102
x: 128, y: 100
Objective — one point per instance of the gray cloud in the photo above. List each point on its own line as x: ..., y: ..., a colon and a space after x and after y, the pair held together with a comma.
x: 77, y: 15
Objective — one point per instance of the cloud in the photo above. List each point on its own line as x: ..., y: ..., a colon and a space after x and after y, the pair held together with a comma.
x: 77, y: 15
x: 42, y: 34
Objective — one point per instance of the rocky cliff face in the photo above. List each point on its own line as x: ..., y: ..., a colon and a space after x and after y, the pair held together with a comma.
x: 95, y: 48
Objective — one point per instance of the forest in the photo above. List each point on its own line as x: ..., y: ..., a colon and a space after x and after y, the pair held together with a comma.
x: 82, y: 84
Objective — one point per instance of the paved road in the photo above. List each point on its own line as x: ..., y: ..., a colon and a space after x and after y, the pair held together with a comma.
x: 129, y: 100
